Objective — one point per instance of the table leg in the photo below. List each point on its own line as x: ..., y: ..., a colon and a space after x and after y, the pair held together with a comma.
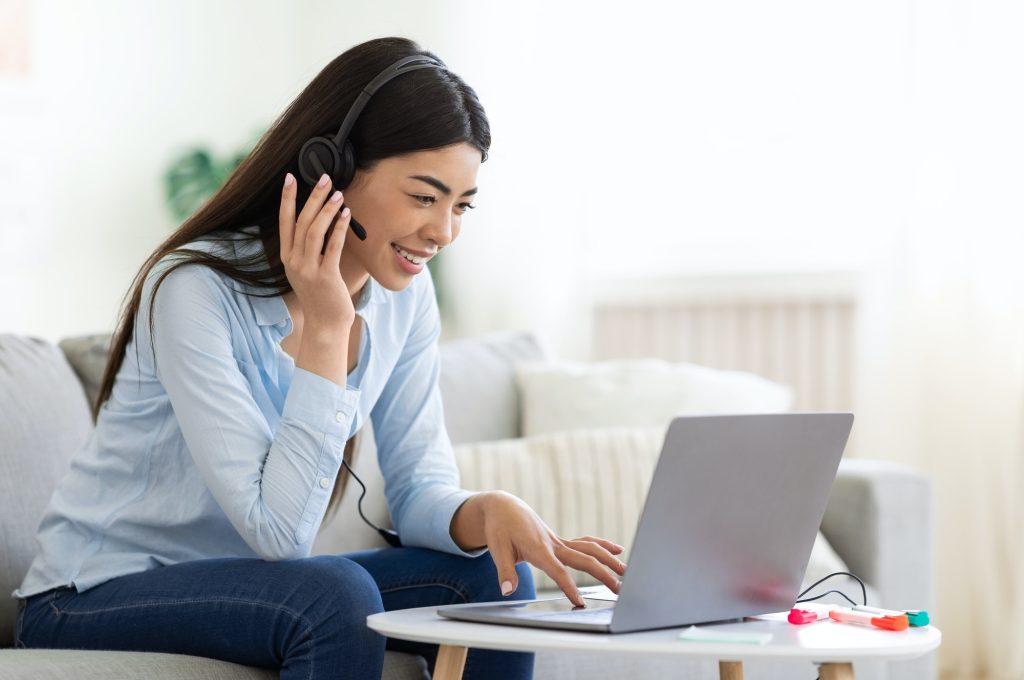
x: 730, y: 670
x: 451, y: 660
x: 836, y: 671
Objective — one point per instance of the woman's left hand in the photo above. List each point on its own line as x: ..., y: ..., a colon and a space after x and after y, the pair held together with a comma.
x: 515, y: 533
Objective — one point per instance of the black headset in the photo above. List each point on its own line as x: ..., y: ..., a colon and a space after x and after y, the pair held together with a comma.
x: 335, y: 156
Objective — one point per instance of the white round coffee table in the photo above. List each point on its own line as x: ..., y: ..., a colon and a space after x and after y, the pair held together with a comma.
x: 834, y: 645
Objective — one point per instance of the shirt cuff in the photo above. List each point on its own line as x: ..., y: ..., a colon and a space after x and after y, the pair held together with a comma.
x: 446, y: 510
x: 439, y: 503
x: 320, y: 403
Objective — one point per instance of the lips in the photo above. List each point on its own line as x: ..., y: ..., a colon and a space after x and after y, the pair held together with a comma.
x: 420, y: 253
x: 406, y: 265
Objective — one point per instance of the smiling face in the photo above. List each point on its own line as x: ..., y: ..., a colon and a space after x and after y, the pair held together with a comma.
x: 415, y: 201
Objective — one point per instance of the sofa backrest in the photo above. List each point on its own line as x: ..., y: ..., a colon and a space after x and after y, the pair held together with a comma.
x: 87, y: 355
x: 44, y: 419
x: 478, y: 384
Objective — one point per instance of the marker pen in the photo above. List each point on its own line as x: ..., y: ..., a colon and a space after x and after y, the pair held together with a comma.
x: 801, y: 616
x: 916, y: 617
x: 847, y: 615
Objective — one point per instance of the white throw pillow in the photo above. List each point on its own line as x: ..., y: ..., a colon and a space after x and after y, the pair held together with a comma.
x: 568, y: 395
x: 586, y: 482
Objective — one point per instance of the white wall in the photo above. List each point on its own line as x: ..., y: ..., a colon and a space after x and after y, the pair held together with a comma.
x: 118, y: 89
x: 712, y: 137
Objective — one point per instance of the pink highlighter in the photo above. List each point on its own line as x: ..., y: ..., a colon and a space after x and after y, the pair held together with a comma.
x: 845, y: 615
x: 801, y: 616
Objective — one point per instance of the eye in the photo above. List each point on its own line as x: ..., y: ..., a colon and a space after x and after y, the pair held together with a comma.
x: 430, y: 201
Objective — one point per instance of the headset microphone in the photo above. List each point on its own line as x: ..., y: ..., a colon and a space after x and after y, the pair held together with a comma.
x: 334, y: 155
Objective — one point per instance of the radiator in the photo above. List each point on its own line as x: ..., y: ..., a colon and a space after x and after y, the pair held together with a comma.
x: 794, y: 329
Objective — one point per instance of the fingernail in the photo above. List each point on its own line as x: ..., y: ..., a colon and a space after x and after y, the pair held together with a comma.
x: 288, y: 179
x: 323, y: 180
x: 335, y: 197
x: 506, y: 588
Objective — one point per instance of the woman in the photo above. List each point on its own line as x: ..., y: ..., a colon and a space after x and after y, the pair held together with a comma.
x: 257, y: 339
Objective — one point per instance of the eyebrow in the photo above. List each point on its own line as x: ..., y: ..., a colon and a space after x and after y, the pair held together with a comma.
x: 441, y: 186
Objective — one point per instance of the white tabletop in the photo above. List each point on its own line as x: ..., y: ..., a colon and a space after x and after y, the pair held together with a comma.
x: 819, y: 641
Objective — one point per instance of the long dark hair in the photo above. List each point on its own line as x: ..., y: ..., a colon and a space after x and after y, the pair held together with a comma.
x: 420, y: 110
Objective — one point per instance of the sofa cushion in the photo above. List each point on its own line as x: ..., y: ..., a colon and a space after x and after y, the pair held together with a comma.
x: 478, y: 385
x: 587, y: 482
x: 87, y: 355
x: 565, y: 395
x: 44, y: 419
x: 75, y: 664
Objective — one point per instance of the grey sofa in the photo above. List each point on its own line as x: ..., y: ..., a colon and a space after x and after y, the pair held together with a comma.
x: 878, y: 518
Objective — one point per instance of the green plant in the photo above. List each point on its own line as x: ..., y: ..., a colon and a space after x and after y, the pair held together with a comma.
x: 436, y: 271
x: 196, y: 175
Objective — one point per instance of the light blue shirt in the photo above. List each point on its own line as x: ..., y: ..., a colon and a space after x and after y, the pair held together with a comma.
x: 224, y: 448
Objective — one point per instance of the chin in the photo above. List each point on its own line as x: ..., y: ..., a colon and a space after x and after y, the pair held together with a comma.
x: 394, y: 282
x: 394, y: 286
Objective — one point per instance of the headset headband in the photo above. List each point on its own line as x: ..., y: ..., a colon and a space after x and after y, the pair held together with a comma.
x: 396, y: 69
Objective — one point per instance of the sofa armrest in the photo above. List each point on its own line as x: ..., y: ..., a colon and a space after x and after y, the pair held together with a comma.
x: 879, y: 521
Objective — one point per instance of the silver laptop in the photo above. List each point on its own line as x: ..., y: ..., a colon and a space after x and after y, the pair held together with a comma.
x: 726, y: 531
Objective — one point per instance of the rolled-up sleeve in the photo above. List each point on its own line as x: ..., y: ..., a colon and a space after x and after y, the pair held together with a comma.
x: 274, y: 487
x: 421, y: 479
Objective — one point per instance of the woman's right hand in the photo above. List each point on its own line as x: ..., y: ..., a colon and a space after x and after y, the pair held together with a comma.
x: 315, y: 278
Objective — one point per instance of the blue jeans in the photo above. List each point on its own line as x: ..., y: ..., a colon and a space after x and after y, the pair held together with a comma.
x: 305, y: 617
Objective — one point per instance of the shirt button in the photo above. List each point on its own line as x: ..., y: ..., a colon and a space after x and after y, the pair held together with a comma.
x: 324, y: 482
x: 339, y: 416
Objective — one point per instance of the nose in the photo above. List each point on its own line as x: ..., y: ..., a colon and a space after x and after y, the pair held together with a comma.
x: 440, y: 231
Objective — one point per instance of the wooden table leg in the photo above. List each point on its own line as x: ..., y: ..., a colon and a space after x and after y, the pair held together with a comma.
x: 451, y: 660
x: 836, y: 671
x: 730, y: 670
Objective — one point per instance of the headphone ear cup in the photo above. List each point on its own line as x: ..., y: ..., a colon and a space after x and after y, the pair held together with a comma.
x: 325, y: 153
x: 346, y: 168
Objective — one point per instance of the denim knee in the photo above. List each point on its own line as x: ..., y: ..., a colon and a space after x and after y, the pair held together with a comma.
x: 337, y: 584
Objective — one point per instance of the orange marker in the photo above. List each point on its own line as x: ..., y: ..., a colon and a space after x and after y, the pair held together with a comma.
x: 844, y: 615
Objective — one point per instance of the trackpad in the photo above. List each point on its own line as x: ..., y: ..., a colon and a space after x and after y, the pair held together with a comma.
x: 561, y: 605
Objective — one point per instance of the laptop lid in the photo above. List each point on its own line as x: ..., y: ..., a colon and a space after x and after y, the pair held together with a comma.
x: 730, y: 519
